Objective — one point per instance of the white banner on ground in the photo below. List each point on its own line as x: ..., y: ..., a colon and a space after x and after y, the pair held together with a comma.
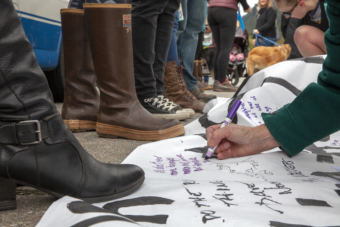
x: 183, y: 189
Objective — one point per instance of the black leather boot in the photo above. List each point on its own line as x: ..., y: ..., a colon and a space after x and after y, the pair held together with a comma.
x: 36, y: 148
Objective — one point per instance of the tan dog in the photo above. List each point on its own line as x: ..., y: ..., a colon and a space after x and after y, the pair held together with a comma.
x: 261, y: 57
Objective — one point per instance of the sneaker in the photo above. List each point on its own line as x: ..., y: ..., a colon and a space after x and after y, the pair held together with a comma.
x: 223, y: 87
x: 162, y: 108
x: 175, y: 105
x: 202, y: 96
x: 204, y: 86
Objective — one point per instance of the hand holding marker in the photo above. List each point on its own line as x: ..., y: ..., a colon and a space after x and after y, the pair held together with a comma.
x: 226, y: 121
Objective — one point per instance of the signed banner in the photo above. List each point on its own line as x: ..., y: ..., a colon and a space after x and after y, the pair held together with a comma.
x: 183, y: 189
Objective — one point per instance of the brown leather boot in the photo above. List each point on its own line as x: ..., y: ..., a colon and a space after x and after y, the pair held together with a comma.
x: 81, y: 101
x: 176, y: 90
x: 120, y: 112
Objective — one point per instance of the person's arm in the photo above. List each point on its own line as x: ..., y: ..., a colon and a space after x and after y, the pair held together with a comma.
x: 313, y: 115
x: 245, y: 6
x: 270, y: 22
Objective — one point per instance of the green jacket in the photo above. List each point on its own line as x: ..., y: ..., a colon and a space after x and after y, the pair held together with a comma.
x: 315, y: 113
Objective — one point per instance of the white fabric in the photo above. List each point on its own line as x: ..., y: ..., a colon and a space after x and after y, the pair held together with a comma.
x: 269, y: 189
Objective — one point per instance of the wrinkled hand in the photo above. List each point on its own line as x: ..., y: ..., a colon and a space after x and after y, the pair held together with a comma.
x: 236, y: 141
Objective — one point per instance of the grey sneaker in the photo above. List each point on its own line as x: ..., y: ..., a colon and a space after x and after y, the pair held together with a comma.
x: 219, y: 87
x: 204, y: 86
x: 202, y: 96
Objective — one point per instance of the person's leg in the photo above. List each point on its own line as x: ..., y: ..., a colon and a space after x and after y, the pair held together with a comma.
x: 187, y: 43
x: 226, y: 19
x: 211, y: 51
x: 216, y: 35
x: 120, y: 112
x: 187, y: 40
x: 199, y: 48
x: 151, y: 28
x: 173, y: 54
x: 36, y: 148
x: 310, y: 41
x: 162, y: 43
x: 77, y: 4
x: 144, y: 17
x: 175, y: 88
x: 183, y: 23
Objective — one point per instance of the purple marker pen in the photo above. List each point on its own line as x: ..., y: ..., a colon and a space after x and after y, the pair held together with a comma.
x: 226, y: 121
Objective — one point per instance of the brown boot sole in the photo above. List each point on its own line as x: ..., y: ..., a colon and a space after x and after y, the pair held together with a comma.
x: 80, y: 125
x: 112, y: 131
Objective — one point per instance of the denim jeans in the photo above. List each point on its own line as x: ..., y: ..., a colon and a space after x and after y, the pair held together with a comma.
x: 173, y: 54
x: 152, y: 23
x: 194, y: 18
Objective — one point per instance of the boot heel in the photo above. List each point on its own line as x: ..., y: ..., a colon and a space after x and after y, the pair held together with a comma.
x: 7, y: 195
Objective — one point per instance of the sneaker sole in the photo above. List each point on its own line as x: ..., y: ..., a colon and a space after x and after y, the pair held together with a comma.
x: 180, y: 115
x: 113, y: 131
x: 224, y: 90
x: 189, y: 111
x: 80, y: 125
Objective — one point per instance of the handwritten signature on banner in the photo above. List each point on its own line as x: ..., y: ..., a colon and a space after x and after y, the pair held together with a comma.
x: 199, y: 200
x: 253, y: 108
x: 267, y: 195
x: 177, y: 164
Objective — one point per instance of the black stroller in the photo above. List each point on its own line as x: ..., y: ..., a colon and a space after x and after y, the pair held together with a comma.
x: 237, y: 58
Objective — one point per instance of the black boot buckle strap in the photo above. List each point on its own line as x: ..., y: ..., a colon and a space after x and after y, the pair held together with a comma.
x: 27, y: 132
x: 32, y: 135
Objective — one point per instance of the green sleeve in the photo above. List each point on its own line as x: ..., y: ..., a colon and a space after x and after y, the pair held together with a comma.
x: 315, y: 113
